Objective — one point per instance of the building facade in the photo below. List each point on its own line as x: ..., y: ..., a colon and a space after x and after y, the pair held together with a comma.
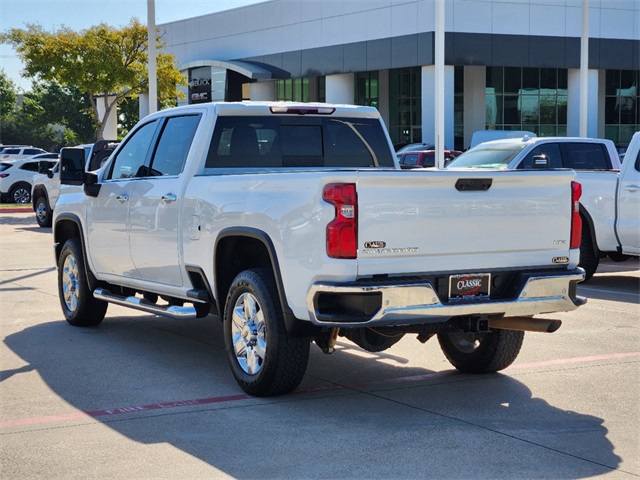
x: 509, y: 64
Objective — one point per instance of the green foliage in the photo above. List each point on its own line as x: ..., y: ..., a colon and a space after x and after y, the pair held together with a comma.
x: 68, y: 107
x: 7, y: 95
x: 128, y: 115
x: 101, y: 60
x: 26, y: 130
x: 50, y: 117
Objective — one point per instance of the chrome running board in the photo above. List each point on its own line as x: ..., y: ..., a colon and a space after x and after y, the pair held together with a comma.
x: 171, y: 311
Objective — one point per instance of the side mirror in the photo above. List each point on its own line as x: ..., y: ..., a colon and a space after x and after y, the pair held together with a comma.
x: 50, y: 173
x: 91, y: 185
x: 72, y: 166
x: 541, y: 162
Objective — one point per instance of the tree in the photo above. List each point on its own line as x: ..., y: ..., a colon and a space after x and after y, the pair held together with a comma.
x: 68, y: 107
x: 102, y: 62
x: 7, y: 99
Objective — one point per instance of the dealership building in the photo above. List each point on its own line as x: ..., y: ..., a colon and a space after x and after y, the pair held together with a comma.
x: 508, y: 64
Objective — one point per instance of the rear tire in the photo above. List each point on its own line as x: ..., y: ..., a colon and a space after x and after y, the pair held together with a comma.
x: 481, y: 352
x: 588, y: 258
x: 20, y: 193
x: 264, y: 359
x: 79, y: 306
x: 43, y: 212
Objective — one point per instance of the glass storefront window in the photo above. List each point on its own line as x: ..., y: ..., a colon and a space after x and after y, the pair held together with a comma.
x: 405, y: 105
x: 293, y: 90
x: 533, y: 99
x: 367, y: 89
x: 621, y: 105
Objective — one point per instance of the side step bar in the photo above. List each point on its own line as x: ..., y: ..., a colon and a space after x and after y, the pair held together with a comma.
x: 173, y: 311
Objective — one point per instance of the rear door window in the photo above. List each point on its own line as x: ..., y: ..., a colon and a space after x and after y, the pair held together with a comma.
x: 30, y: 166
x: 587, y: 156
x: 174, y: 144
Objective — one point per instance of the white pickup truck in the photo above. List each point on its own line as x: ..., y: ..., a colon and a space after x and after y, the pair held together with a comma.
x: 598, y: 171
x: 294, y: 223
x: 627, y: 206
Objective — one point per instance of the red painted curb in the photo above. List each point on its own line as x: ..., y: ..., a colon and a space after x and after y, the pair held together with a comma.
x: 16, y: 210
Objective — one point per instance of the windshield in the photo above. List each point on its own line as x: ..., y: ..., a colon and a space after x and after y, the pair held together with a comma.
x: 488, y: 156
x: 412, y: 147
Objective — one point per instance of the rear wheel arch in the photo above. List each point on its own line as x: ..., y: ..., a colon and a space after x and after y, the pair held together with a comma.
x: 243, y: 248
x: 239, y: 249
x: 588, y: 226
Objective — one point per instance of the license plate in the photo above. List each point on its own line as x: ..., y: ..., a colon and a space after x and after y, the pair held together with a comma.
x: 472, y: 285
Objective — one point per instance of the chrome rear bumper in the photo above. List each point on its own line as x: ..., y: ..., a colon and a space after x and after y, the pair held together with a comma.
x: 419, y: 303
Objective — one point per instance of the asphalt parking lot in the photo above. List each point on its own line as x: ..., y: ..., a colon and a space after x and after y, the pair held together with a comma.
x: 147, y: 397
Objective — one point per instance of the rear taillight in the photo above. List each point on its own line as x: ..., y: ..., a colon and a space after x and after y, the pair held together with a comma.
x: 4, y: 175
x: 342, y: 232
x: 576, y: 220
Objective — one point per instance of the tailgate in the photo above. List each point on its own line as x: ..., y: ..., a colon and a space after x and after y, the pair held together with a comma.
x: 462, y: 221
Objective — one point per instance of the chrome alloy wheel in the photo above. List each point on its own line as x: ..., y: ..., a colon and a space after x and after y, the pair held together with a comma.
x: 465, y: 342
x: 248, y: 333
x: 70, y: 283
x: 41, y: 211
x: 21, y: 195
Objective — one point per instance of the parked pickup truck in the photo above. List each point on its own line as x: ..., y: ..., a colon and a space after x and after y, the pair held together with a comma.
x: 597, y: 169
x: 627, y: 207
x: 46, y: 184
x: 294, y: 224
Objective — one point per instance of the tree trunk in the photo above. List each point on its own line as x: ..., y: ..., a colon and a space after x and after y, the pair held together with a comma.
x: 108, y: 107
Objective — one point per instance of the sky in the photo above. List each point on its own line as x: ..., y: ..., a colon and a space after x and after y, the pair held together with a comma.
x: 82, y: 14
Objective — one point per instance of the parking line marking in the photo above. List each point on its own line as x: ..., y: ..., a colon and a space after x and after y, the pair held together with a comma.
x: 566, y: 361
x: 234, y: 398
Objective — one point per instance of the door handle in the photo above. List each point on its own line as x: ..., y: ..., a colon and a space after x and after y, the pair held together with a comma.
x: 123, y: 198
x: 632, y: 188
x: 169, y: 198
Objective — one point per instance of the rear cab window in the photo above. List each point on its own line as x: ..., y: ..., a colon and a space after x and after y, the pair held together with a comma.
x: 283, y: 141
x: 587, y: 156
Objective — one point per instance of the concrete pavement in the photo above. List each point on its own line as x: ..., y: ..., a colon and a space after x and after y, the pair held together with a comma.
x: 147, y: 397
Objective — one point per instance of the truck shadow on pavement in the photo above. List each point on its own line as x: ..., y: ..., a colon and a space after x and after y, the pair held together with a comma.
x: 451, y: 426
x: 8, y: 219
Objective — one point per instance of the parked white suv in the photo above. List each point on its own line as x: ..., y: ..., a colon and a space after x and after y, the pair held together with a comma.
x: 19, y: 153
x: 16, y: 177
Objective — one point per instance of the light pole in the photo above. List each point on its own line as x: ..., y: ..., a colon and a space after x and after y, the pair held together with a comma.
x: 584, y: 69
x: 151, y: 42
x: 439, y: 84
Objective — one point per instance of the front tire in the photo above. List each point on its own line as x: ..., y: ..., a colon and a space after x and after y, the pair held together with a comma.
x: 481, y: 352
x: 264, y: 359
x: 43, y: 212
x: 79, y: 306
